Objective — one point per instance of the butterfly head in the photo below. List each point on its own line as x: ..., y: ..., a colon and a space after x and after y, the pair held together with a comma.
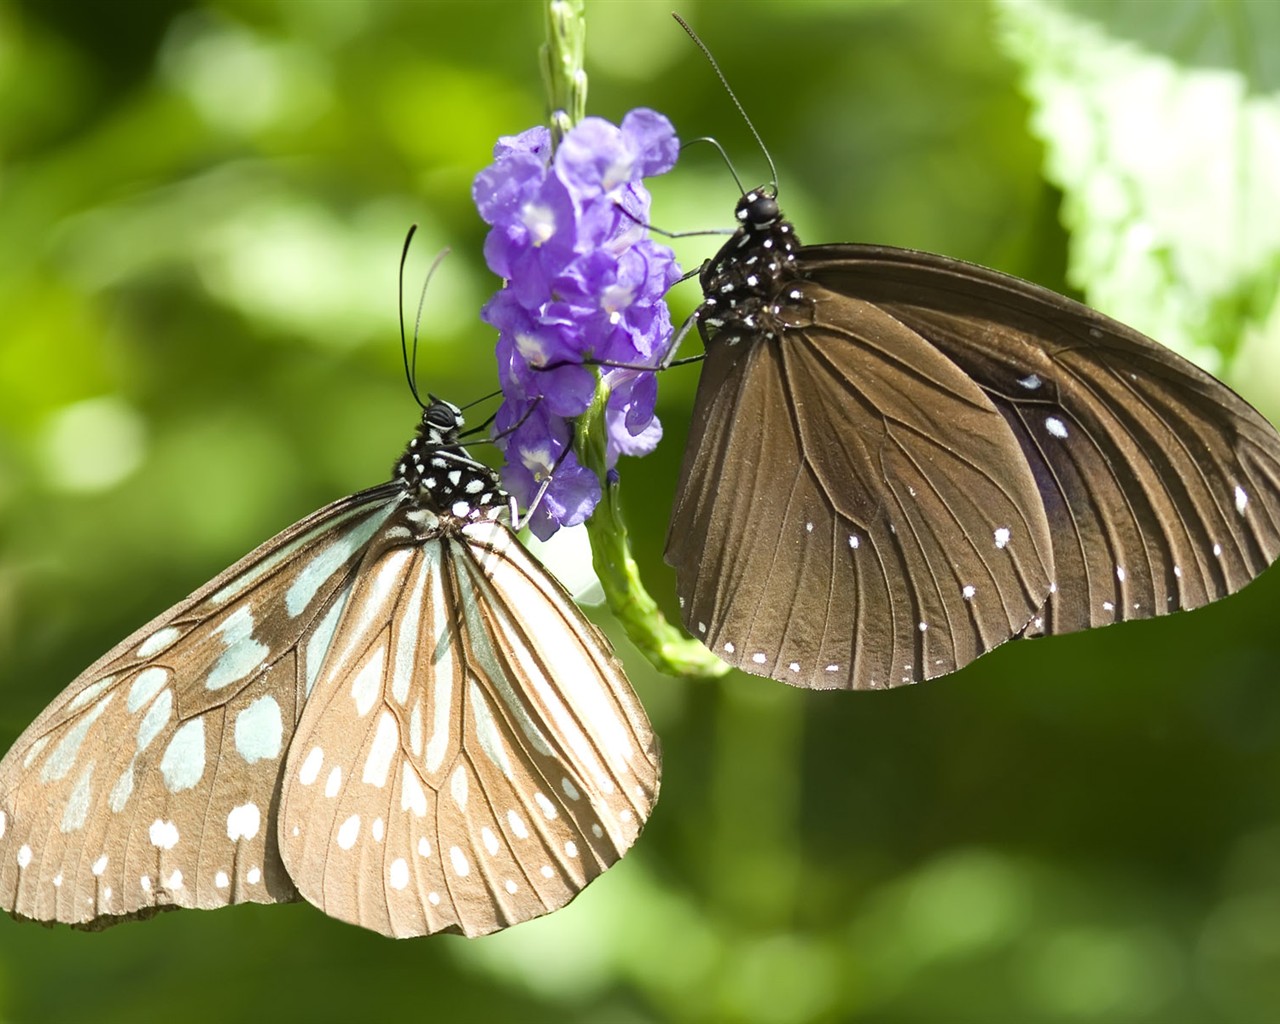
x: 441, y: 422
x: 758, y: 210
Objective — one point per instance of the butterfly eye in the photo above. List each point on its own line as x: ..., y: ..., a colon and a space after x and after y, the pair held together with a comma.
x: 441, y: 417
x: 760, y: 209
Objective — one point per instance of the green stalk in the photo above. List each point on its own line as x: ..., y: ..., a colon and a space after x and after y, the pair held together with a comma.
x: 666, y: 646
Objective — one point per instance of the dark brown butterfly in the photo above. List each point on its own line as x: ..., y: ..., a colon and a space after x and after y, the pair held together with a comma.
x: 898, y: 461
x: 390, y: 709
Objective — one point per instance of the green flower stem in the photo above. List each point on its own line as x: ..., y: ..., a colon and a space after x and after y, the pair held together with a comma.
x: 665, y: 645
x: 563, y: 69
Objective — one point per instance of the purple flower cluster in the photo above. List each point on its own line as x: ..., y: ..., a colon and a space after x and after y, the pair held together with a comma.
x: 584, y: 284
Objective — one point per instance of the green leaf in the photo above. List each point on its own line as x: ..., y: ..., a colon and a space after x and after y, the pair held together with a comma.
x: 1161, y: 125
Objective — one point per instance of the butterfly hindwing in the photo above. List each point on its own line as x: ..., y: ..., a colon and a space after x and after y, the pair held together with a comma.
x: 151, y: 781
x: 480, y: 782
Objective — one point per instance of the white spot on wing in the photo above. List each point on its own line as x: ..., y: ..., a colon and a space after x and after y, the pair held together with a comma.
x: 458, y: 787
x: 461, y: 867
x: 1030, y: 382
x: 163, y: 834
x: 149, y: 682
x: 158, y: 641
x: 546, y: 806
x: 182, y: 765
x: 347, y: 832
x: 259, y: 730
x: 385, y: 743
x: 76, y: 809
x: 398, y: 874
x: 122, y: 790
x: 322, y: 638
x: 89, y: 694
x: 310, y: 769
x: 1055, y: 426
x: 154, y: 721
x: 412, y: 796
x: 1242, y: 499
x: 243, y: 822
x: 368, y: 683
x: 244, y: 654
x: 487, y: 731
x: 1002, y: 536
x: 408, y: 638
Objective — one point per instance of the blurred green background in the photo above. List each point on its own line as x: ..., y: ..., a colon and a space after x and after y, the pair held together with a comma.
x: 201, y: 213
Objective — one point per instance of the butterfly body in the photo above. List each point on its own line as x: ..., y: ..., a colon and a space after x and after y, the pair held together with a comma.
x: 899, y: 461
x: 389, y: 709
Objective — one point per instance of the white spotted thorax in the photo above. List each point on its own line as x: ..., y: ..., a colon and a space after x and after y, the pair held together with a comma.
x: 745, y: 283
x: 389, y: 710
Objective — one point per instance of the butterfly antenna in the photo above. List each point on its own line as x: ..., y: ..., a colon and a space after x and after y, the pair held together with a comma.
x: 422, y: 300
x: 773, y: 171
x: 482, y: 398
x: 482, y: 428
x: 723, y: 156
x: 409, y: 364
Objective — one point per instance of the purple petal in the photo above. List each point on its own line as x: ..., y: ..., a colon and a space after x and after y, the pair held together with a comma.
x: 653, y: 138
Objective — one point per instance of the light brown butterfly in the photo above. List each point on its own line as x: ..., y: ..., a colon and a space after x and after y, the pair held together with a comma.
x: 390, y: 710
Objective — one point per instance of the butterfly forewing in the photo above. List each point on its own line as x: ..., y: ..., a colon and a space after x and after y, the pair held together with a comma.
x: 911, y: 534
x: 1161, y: 485
x: 152, y: 781
x: 482, y: 783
